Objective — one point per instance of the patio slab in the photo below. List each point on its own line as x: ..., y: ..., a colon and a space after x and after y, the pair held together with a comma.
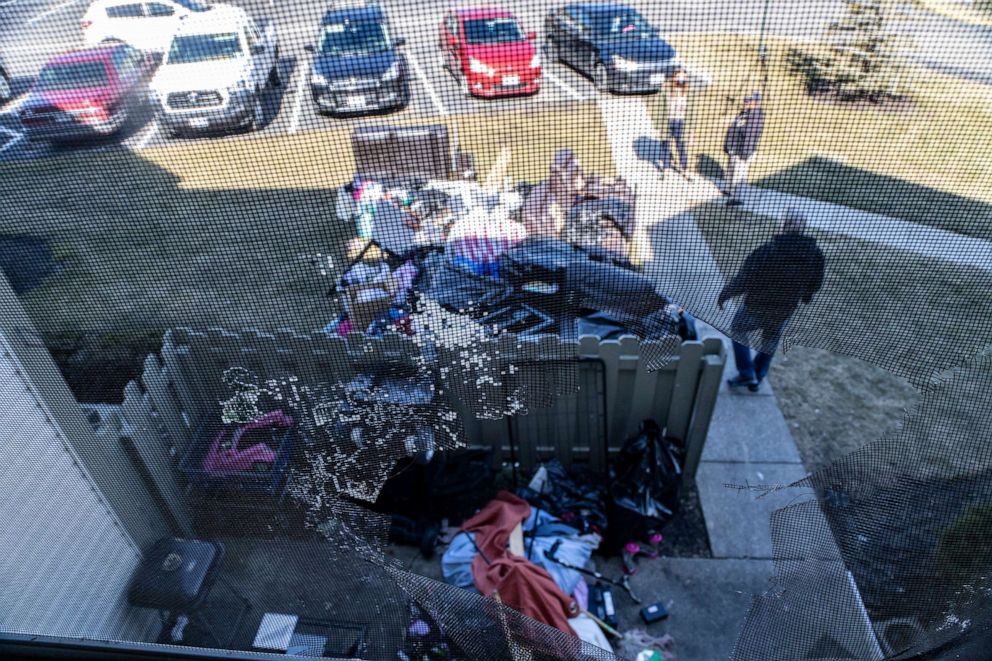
x: 737, y: 509
x: 748, y: 428
x: 707, y: 601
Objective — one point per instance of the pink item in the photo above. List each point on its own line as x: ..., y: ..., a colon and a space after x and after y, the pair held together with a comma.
x: 221, y: 461
x: 344, y: 327
x: 484, y: 238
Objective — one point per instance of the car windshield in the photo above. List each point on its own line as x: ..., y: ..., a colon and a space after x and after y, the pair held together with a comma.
x: 354, y: 38
x: 203, y: 47
x: 192, y: 5
x: 73, y: 75
x: 616, y: 23
x: 492, y: 31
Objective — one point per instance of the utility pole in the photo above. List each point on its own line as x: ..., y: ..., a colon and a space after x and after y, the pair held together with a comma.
x: 762, y: 48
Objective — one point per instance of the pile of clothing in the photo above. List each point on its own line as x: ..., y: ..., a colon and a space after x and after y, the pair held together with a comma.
x: 503, y: 550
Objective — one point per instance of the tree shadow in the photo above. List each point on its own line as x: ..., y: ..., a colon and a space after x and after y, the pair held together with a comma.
x: 825, y: 179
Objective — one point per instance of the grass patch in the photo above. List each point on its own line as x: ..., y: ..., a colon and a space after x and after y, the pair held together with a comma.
x: 236, y: 233
x: 928, y: 164
x: 886, y: 306
x: 884, y: 320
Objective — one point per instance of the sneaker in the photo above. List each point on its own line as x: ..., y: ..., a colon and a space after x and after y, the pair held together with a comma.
x: 741, y: 381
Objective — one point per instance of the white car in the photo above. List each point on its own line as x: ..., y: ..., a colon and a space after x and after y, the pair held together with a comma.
x: 147, y: 25
x: 215, y: 72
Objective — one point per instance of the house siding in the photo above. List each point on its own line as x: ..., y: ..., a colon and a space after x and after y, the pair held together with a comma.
x: 65, y: 559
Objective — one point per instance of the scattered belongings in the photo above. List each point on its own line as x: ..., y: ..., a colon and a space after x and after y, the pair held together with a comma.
x: 547, y: 259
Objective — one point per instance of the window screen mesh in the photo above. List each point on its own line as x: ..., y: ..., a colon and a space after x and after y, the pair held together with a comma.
x: 274, y: 273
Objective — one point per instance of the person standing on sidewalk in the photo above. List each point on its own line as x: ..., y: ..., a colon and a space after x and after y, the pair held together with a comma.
x: 676, y: 108
x: 773, y: 280
x: 740, y: 145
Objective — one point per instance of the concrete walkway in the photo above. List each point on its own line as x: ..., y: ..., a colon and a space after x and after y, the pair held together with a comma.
x: 750, y: 456
x: 636, y: 149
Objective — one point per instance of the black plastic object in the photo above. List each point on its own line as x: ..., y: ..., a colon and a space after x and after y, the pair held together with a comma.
x: 175, y: 574
x: 521, y: 319
x: 646, y: 485
x: 576, y: 497
x: 601, y: 604
x: 654, y: 613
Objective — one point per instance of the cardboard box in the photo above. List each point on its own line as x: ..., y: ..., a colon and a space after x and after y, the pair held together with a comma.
x: 369, y: 301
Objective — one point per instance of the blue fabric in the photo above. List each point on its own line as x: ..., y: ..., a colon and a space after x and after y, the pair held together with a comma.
x: 490, y: 269
x: 676, y: 131
x: 755, y: 368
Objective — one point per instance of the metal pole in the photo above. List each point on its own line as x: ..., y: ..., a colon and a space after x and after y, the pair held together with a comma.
x: 762, y: 48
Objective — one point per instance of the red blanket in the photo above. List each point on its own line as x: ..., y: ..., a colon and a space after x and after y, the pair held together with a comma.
x: 521, y: 584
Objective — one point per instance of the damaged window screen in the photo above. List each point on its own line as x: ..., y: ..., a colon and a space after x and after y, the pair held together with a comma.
x: 589, y: 331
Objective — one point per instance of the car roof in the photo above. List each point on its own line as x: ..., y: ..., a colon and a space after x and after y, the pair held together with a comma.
x: 598, y: 6
x: 220, y: 18
x: 483, y: 12
x: 366, y: 13
x: 85, y: 55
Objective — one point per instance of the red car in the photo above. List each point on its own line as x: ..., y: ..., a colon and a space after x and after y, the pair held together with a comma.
x: 489, y: 53
x: 86, y: 93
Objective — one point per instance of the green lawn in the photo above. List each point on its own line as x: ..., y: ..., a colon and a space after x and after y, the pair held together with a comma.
x: 915, y: 316
x: 884, y: 319
x: 929, y: 164
x: 236, y: 233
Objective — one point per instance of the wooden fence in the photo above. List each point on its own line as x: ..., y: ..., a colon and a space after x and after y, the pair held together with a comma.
x: 183, y: 387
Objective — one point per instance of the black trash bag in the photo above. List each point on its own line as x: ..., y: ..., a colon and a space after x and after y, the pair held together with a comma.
x: 646, y: 486
x: 577, y: 497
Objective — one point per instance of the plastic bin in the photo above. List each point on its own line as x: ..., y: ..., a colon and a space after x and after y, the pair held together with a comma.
x: 242, y: 470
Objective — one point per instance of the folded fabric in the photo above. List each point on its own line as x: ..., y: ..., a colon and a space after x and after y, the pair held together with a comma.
x: 484, y: 237
x: 521, y: 584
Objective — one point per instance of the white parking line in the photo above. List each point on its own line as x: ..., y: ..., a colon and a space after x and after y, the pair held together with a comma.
x: 294, y: 124
x: 15, y: 138
x: 568, y: 89
x: 54, y: 9
x: 427, y: 85
x: 150, y: 133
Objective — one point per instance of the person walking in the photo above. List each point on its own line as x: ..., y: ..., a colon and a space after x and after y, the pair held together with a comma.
x: 676, y: 108
x: 774, y: 278
x: 740, y: 145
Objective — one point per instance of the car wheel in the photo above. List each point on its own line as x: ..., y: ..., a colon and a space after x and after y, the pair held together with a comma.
x: 600, y: 78
x: 5, y: 89
x: 257, y: 112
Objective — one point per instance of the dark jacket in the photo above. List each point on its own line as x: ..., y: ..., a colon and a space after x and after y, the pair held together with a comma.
x: 776, y: 276
x: 744, y: 133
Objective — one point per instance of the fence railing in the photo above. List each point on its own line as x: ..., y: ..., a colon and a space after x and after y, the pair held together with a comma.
x: 183, y: 387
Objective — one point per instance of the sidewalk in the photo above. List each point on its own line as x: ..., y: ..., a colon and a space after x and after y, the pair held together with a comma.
x: 634, y: 141
x: 750, y: 457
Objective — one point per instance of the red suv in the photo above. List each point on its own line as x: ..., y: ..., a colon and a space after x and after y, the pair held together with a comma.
x: 86, y: 93
x: 489, y: 53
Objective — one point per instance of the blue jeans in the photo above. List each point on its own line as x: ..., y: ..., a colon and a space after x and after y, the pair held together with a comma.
x: 755, y: 368
x: 676, y: 131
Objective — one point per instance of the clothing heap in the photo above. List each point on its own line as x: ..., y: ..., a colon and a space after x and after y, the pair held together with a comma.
x: 482, y: 557
x: 551, y: 258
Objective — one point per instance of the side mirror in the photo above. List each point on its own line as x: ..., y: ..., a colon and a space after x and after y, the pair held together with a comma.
x: 531, y: 36
x: 399, y: 41
x: 452, y: 42
x: 310, y: 48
